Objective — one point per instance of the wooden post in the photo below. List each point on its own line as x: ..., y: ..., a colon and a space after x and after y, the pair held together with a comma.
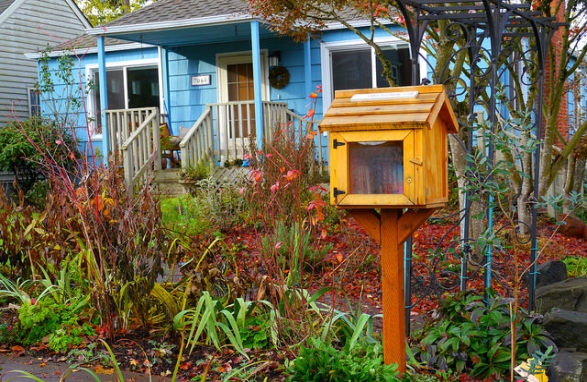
x: 391, y: 228
x: 392, y: 285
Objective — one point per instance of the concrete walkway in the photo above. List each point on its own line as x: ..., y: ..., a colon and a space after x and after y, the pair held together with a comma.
x: 60, y: 371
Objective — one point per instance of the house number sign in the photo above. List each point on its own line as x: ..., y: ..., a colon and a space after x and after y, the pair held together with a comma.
x: 201, y: 80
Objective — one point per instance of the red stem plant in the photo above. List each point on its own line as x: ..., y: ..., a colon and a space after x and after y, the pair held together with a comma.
x: 285, y: 197
x: 90, y: 212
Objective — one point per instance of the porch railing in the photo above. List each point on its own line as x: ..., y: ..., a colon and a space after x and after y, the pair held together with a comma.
x: 224, y: 132
x: 198, y: 144
x: 235, y: 132
x: 135, y: 138
x: 122, y: 122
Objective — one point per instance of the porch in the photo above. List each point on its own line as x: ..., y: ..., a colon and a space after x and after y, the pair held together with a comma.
x: 223, y: 133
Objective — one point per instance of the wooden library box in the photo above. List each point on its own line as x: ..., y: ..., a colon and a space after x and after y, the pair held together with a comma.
x: 389, y: 147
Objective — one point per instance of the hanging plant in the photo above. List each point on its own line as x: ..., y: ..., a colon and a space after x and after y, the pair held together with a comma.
x: 279, y: 77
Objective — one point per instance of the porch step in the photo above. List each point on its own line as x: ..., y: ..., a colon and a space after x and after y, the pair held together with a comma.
x: 166, y: 182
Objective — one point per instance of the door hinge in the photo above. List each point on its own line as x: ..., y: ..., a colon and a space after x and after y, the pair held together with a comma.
x: 336, y: 143
x: 337, y: 192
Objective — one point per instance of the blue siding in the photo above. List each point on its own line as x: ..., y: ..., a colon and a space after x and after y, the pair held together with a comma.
x: 186, y: 102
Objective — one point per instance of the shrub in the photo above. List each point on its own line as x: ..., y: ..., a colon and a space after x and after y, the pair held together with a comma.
x: 474, y: 336
x: 321, y: 361
x: 62, y: 322
x: 25, y: 145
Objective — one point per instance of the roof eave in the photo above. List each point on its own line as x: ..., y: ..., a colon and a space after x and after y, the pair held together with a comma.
x: 203, y: 21
x: 355, y: 23
x: 92, y: 50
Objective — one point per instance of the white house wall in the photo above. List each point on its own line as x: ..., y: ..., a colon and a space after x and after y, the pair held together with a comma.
x: 30, y: 27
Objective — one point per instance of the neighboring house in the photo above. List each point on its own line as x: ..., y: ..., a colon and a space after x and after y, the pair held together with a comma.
x: 207, y: 65
x: 30, y: 26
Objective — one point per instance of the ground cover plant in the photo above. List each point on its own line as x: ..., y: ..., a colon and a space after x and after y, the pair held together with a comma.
x: 231, y: 319
x: 258, y: 281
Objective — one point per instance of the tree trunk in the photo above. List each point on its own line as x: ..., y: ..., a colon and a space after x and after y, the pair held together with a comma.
x: 574, y: 180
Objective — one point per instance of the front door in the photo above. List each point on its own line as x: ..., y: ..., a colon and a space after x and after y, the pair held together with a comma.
x: 236, y: 114
x: 240, y: 88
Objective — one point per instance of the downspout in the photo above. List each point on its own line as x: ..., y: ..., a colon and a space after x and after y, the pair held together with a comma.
x: 256, y: 47
x: 103, y: 86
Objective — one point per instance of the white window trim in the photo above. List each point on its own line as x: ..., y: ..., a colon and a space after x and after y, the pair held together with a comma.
x: 326, y: 49
x: 91, y: 68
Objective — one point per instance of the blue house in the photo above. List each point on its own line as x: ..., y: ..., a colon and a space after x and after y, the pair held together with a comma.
x: 216, y: 77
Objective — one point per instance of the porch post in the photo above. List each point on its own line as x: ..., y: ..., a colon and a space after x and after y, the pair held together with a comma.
x: 103, y: 86
x: 164, y: 80
x: 256, y: 46
x: 308, y: 67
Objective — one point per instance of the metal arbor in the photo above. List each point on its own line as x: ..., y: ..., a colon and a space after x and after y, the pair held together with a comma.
x: 501, y: 48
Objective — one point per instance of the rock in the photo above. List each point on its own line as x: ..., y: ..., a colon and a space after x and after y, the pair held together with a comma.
x: 570, y: 294
x: 567, y: 328
x: 550, y: 272
x: 568, y: 367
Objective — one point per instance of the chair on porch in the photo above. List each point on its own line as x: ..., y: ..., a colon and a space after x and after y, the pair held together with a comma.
x: 170, y: 149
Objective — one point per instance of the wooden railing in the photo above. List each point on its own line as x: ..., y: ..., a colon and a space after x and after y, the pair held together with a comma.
x: 134, y: 136
x: 224, y: 132
x: 198, y: 144
x: 122, y: 122
x: 235, y: 132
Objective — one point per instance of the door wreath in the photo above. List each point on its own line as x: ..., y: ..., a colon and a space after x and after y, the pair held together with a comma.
x: 278, y: 77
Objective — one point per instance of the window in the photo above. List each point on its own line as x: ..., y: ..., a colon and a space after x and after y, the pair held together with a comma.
x: 352, y: 65
x: 34, y: 99
x: 128, y: 87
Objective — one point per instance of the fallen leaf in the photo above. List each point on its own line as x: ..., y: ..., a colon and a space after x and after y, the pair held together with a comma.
x: 224, y: 368
x: 101, y: 370
x: 43, y: 364
x: 19, y: 350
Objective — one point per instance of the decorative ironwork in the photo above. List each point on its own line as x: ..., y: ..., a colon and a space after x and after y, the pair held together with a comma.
x: 495, y: 42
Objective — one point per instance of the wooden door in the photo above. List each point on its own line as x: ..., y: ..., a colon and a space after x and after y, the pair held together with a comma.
x: 240, y: 88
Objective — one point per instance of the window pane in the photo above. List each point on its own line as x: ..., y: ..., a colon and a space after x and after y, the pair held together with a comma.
x: 115, y: 81
x: 34, y: 103
x: 376, y: 167
x: 351, y: 70
x: 401, y: 66
x: 141, y: 83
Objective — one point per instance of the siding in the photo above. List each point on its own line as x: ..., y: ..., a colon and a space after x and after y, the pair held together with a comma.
x: 187, y: 102
x: 33, y: 26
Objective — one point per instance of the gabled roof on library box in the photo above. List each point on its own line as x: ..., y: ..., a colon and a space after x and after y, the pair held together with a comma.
x: 406, y: 107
